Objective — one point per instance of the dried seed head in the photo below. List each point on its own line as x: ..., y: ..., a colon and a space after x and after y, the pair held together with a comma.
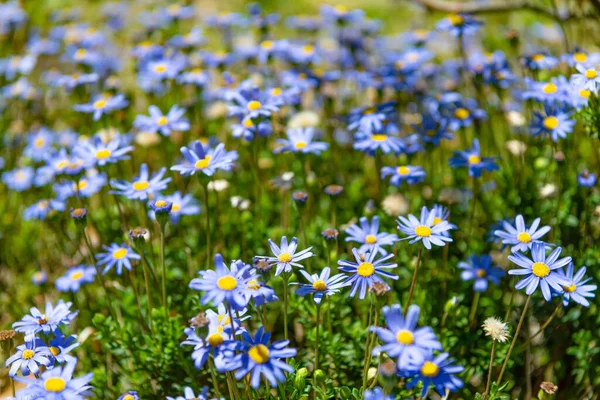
x: 496, y: 329
x: 549, y: 387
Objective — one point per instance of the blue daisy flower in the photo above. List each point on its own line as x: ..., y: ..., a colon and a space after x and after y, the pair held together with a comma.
x: 258, y: 358
x: 120, y: 256
x: 579, y: 287
x: 19, y: 179
x: 459, y: 25
x: 207, y: 161
x: 520, y: 237
x: 300, y: 141
x: 587, y: 78
x: 61, y: 345
x: 165, y: 124
x: 142, y: 186
x: 130, y: 395
x: 586, y: 178
x: 425, y: 229
x: 366, y: 271
x: 540, y: 270
x: 472, y: 159
x: 48, y: 321
x: 435, y: 371
x: 385, y: 143
x: 555, y: 122
x: 402, y: 339
x: 223, y: 284
x: 377, y: 394
x: 257, y: 290
x: 102, y: 104
x: 43, y: 208
x: 320, y: 284
x: 481, y: 270
x: 58, y: 383
x: 72, y: 280
x: 181, y: 205
x: 369, y: 236
x: 285, y: 256
x: 410, y: 173
x: 370, y: 119
x: 103, y: 153
x: 29, y: 357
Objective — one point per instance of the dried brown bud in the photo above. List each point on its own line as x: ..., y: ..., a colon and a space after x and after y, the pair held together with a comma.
x: 380, y: 289
x: 388, y: 368
x: 7, y: 335
x: 199, y: 321
x: 549, y: 387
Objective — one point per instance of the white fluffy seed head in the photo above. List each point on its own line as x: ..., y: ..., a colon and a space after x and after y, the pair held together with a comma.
x: 496, y: 329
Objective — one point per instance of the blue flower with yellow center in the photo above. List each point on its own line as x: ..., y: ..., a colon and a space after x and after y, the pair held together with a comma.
x: 366, y: 271
x: 72, y: 280
x: 402, y: 339
x: 480, y: 270
x: 412, y: 174
x: 320, y: 284
x: 540, y: 270
x: 473, y: 160
x: 143, y: 186
x: 425, y: 229
x: 369, y: 236
x: 285, y: 255
x: 579, y: 288
x: 119, y: 255
x: 223, y: 284
x: 437, y: 371
x: 258, y: 357
x: 519, y: 236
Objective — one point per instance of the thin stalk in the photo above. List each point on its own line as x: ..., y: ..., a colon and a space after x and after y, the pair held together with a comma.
x: 213, y: 374
x: 544, y: 326
x: 137, y: 299
x: 147, y: 285
x: 366, y: 367
x: 413, y: 282
x: 207, y: 212
x: 163, y: 269
x: 317, y: 338
x: 474, y: 308
x: 285, y: 304
x: 489, y: 378
x: 512, y: 344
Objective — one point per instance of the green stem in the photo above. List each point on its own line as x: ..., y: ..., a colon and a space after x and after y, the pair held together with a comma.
x: 163, y: 269
x: 474, y: 308
x: 413, y: 282
x: 512, y: 344
x: 213, y: 374
x: 147, y: 285
x: 489, y: 378
x: 207, y: 212
x: 544, y: 326
x: 285, y: 278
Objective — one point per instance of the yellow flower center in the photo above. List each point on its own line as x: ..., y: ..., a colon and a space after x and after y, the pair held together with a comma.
x: 284, y: 257
x: 570, y: 289
x: 591, y: 73
x: 437, y: 220
x: 140, y: 185
x: 405, y: 337
x: 540, y: 269
x: 80, y: 53
x: 365, y: 269
x: 403, y: 170
x: 201, y: 164
x: 42, y: 320
x: 102, y: 154
x: 39, y: 143
x: 215, y: 339
x: 54, y: 350
x: 55, y: 384
x: 300, y: 145
x: 524, y: 237
x: 62, y: 164
x: 474, y: 159
x: 160, y: 68
x: 227, y: 282
x: 81, y: 185
x: 538, y: 57
x: 341, y: 9
x: 128, y: 397
x: 423, y: 231
x: 456, y: 20
x: 28, y: 354
x: 585, y: 93
x: 253, y: 285
x: 248, y: 123
x: 254, y: 105
x: 308, y: 49
x: 267, y: 44
x: 462, y: 113
x: 223, y: 319
x: 276, y: 91
x: 259, y: 354
x: 379, y: 138
x: 580, y: 57
x: 175, y: 208
x: 550, y: 123
x: 370, y: 239
x: 481, y: 273
x: 319, y: 285
x: 160, y: 203
x: 99, y: 104
x: 162, y: 121
x: 549, y: 88
x: 76, y: 275
x: 430, y: 370
x: 119, y: 253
